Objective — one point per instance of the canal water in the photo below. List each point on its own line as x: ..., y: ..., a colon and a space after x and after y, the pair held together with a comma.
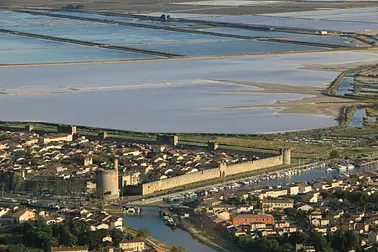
x: 150, y: 217
x: 346, y: 86
x: 358, y: 118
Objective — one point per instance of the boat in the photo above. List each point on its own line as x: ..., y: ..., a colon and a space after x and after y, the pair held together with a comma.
x: 131, y: 210
x: 341, y: 167
x: 171, y: 222
x: 350, y: 167
x: 8, y: 202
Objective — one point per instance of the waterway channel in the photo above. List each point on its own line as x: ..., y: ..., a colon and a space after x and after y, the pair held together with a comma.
x: 150, y: 217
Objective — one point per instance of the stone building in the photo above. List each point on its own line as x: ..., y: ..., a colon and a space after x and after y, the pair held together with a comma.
x: 134, y: 245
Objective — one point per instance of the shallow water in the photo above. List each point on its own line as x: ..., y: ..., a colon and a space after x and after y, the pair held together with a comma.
x: 171, y: 109
x: 10, y: 19
x: 253, y: 33
x: 168, y: 96
x: 328, y: 12
x: 346, y: 86
x: 342, y: 41
x: 124, y: 19
x: 294, y: 22
x: 119, y: 34
x: 227, y: 48
x: 279, y: 69
x: 63, y: 55
x: 9, y: 41
x: 231, y: 3
x: 357, y: 119
x: 23, y: 50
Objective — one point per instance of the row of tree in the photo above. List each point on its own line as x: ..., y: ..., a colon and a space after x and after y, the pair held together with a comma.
x: 337, y: 242
x: 39, y: 235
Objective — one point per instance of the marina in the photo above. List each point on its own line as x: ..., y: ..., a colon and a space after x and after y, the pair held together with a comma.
x: 151, y: 217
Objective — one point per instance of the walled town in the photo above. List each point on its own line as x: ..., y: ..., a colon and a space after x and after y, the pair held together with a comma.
x: 66, y: 180
x: 46, y: 165
x: 202, y: 126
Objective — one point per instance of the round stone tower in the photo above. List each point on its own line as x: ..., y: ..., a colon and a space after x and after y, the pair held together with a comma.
x: 107, y: 184
x: 286, y: 156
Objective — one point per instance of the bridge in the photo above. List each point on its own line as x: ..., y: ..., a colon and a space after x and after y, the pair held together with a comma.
x: 176, y: 206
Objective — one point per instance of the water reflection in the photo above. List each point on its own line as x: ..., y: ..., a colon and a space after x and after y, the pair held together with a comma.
x: 150, y: 218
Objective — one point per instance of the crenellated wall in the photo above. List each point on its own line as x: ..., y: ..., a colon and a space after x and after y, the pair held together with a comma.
x: 253, y: 165
x: 166, y: 184
x: 221, y: 171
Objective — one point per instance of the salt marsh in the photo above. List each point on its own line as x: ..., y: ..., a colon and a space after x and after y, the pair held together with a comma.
x: 118, y: 34
x: 227, y: 48
x: 175, y: 95
x: 253, y: 33
x: 23, y: 50
x: 174, y: 109
x: 122, y: 18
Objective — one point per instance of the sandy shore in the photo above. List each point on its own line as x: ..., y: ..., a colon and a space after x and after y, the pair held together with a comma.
x: 319, y: 104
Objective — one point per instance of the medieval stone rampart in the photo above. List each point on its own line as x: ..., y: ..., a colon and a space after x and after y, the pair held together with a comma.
x: 219, y: 172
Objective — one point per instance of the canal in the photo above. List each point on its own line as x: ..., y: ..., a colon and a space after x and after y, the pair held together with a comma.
x: 150, y: 217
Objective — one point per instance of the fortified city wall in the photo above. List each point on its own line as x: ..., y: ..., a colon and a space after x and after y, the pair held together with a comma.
x: 220, y: 172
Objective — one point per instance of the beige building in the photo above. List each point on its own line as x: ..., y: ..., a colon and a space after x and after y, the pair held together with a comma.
x: 277, y: 204
x: 293, y: 189
x: 305, y: 188
x: 273, y: 193
x: 55, y: 138
x: 116, y: 222
x: 69, y: 249
x: 320, y: 222
x: 99, y: 226
x: 4, y: 211
x: 18, y: 216
x: 134, y: 245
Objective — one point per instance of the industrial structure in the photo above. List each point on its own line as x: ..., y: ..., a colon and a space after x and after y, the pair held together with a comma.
x: 107, y: 182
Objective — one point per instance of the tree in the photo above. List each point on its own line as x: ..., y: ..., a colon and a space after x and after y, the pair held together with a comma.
x: 352, y: 240
x: 16, y: 248
x: 291, y: 212
x: 319, y: 242
x: 117, y: 236
x: 21, y: 248
x: 334, y: 154
x: 177, y: 249
x: 299, y: 238
x: 144, y: 233
x: 65, y: 236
